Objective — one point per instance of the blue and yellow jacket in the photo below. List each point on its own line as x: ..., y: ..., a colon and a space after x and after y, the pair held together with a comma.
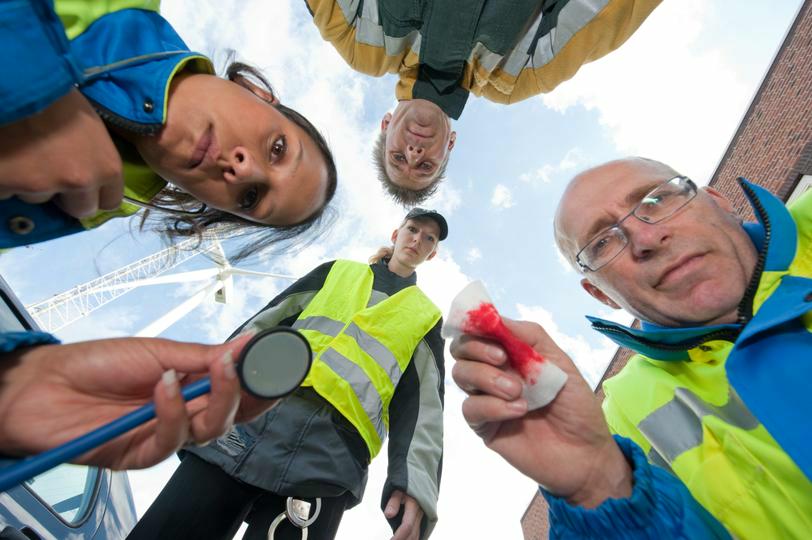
x: 723, y: 408
x: 122, y: 55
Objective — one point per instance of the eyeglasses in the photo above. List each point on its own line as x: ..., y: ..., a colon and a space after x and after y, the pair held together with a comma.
x: 658, y: 204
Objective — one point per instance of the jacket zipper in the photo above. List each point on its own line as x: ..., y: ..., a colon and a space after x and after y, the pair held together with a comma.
x: 123, y: 123
x: 746, y: 305
x: 725, y: 334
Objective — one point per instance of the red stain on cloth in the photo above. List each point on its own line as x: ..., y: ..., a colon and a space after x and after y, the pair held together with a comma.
x: 486, y: 322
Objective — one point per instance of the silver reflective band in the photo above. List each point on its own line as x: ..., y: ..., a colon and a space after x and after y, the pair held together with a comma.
x: 359, y: 381
x: 325, y: 325
x: 676, y: 427
x: 374, y: 348
x: 368, y: 344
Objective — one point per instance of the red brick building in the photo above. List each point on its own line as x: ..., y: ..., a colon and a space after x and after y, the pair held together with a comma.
x: 772, y: 147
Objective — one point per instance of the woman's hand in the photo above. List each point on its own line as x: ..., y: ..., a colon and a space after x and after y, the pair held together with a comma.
x: 50, y: 394
x: 65, y: 153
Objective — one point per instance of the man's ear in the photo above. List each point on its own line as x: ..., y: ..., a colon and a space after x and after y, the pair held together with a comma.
x: 598, y: 294
x: 262, y: 93
x: 720, y: 200
x: 387, y: 118
x: 451, y: 140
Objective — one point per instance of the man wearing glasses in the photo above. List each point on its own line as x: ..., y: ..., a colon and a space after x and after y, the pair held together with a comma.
x: 718, y: 392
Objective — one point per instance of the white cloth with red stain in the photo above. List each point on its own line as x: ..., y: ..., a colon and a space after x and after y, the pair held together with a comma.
x: 472, y: 312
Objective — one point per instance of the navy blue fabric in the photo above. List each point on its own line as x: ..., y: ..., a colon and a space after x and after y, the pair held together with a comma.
x: 38, y: 68
x: 660, y: 508
x: 13, y: 340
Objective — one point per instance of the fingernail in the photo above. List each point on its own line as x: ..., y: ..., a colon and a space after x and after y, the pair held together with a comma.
x: 170, y: 380
x: 519, y: 406
x: 496, y: 353
x: 228, y: 364
x: 506, y: 385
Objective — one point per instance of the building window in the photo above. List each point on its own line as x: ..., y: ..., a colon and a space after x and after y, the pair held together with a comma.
x: 804, y: 185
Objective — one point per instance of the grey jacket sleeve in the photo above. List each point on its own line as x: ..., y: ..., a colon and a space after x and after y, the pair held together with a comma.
x: 416, y: 431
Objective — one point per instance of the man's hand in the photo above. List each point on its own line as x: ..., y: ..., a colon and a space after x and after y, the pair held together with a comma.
x: 65, y: 152
x: 565, y: 446
x: 50, y: 394
x: 409, y: 528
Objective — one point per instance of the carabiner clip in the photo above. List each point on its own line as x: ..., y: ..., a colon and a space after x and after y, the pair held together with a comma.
x: 297, y: 512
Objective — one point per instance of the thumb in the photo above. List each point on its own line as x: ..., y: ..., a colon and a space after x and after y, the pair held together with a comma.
x: 393, y: 506
x: 236, y: 345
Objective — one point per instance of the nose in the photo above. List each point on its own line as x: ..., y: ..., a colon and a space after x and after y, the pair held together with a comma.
x: 646, y: 239
x: 414, y: 152
x: 239, y: 166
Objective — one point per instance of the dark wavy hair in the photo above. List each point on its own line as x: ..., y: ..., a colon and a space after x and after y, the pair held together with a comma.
x: 175, y: 227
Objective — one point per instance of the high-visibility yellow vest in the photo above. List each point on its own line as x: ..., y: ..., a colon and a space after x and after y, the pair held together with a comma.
x: 687, y: 416
x: 362, y: 343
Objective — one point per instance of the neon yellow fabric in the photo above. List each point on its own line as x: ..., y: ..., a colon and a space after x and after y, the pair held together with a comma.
x: 741, y: 476
x: 398, y: 323
x: 77, y: 15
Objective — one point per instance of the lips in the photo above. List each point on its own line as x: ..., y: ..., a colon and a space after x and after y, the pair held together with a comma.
x: 205, y: 147
x: 678, y: 269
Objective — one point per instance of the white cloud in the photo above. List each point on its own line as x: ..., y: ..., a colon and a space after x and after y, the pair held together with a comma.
x: 474, y: 254
x: 574, y: 158
x: 591, y: 361
x: 662, y: 95
x: 502, y: 197
x: 447, y: 199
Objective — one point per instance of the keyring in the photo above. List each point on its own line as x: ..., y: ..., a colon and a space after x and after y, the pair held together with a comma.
x: 297, y: 512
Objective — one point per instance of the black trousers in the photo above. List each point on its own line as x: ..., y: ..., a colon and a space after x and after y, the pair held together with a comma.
x: 202, y: 502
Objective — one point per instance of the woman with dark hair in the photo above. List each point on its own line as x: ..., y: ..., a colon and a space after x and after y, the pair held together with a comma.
x: 202, y: 150
x: 117, y: 111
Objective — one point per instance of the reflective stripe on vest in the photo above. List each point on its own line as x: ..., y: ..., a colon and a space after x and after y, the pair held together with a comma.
x: 362, y: 343
x: 676, y: 427
x: 688, y: 419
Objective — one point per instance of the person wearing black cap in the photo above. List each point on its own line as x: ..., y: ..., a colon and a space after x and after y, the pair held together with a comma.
x: 378, y: 371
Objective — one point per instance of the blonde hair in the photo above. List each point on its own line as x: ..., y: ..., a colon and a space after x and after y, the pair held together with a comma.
x: 382, y: 253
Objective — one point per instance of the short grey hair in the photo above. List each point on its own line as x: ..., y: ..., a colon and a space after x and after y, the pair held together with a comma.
x: 404, y: 196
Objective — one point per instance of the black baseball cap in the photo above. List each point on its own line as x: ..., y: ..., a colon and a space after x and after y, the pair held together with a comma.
x: 431, y: 214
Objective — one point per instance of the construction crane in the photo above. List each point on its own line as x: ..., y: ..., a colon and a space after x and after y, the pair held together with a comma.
x: 66, y: 308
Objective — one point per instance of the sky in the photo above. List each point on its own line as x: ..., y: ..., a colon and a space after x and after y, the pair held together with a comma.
x: 676, y: 92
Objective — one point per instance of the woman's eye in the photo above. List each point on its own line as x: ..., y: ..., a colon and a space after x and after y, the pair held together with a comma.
x: 278, y: 148
x: 249, y: 198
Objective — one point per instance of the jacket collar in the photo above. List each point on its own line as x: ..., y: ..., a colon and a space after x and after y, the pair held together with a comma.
x: 774, y: 235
